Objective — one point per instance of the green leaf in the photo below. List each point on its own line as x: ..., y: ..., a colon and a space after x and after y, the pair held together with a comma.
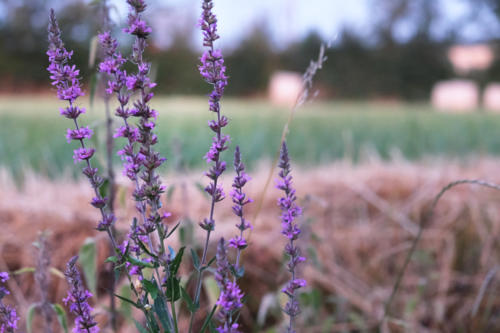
x: 104, y: 188
x: 173, y: 291
x: 210, y: 262
x: 61, y: 316
x: 211, y: 327
x: 151, y: 288
x: 145, y: 249
x: 196, y: 260
x: 24, y: 270
x: 208, y: 319
x: 128, y: 301
x: 140, y: 328
x: 125, y: 307
x: 160, y: 309
x: 174, y: 228
x: 139, y: 263
x: 192, y: 307
x: 175, y: 264
x: 152, y: 325
x: 88, y: 261
x: 113, y: 259
x: 29, y: 317
x: 57, y: 273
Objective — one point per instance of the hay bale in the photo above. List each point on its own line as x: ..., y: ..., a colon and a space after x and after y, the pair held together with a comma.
x: 491, y: 97
x: 467, y: 58
x: 455, y: 95
x: 284, y: 87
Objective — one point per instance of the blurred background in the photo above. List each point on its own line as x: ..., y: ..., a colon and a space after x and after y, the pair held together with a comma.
x: 407, y: 101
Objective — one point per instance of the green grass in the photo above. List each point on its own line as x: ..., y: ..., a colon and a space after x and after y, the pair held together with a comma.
x: 32, y: 133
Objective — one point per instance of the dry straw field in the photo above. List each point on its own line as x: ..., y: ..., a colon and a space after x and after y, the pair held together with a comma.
x: 360, y: 221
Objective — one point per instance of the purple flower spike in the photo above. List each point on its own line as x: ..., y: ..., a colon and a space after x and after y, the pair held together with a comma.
x: 213, y: 70
x: 141, y: 164
x: 8, y: 315
x: 64, y: 77
x: 230, y: 294
x: 239, y: 199
x: 289, y: 212
x: 78, y: 300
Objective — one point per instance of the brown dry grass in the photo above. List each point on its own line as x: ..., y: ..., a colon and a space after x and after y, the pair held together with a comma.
x: 359, y: 219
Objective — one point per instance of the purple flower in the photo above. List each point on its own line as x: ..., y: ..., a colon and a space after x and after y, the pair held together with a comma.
x: 294, y: 285
x: 8, y: 314
x: 230, y: 298
x: 239, y: 199
x: 131, y: 133
x: 289, y: 212
x: 72, y: 111
x: 8, y: 319
x: 78, y: 300
x: 63, y: 75
x: 82, y: 154
x: 238, y: 242
x: 137, y: 27
x: 79, y: 134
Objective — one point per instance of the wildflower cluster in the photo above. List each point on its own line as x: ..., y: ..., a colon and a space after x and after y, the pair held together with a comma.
x: 8, y: 315
x: 289, y: 212
x: 230, y: 294
x: 78, y: 300
x: 144, y: 245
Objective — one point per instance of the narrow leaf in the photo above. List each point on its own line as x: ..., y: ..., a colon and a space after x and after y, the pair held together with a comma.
x: 88, y: 261
x: 160, y: 309
x: 128, y: 301
x: 175, y: 264
x: 173, y: 229
x: 29, y: 317
x: 140, y: 328
x: 191, y: 306
x: 61, y: 316
x: 207, y: 320
x: 139, y: 263
x: 125, y: 307
x: 151, y: 288
x: 57, y: 272
x: 196, y: 259
x: 103, y: 190
x: 24, y: 270
x: 112, y: 259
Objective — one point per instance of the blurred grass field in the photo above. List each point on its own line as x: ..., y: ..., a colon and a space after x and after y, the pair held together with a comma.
x: 32, y: 132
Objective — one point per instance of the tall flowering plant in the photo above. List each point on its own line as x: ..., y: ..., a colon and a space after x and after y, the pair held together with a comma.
x: 150, y: 266
x: 289, y: 228
x: 213, y: 70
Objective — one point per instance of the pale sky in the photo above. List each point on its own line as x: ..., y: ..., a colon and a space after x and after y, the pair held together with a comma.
x: 292, y: 19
